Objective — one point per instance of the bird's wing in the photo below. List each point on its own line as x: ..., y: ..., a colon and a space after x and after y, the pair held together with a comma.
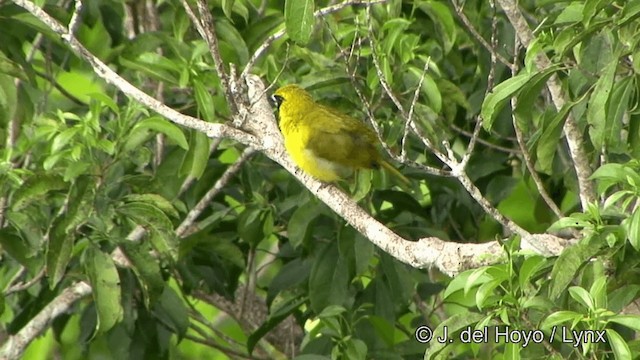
x: 335, y: 138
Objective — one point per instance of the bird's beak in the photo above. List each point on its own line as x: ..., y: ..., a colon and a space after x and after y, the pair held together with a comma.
x: 277, y: 100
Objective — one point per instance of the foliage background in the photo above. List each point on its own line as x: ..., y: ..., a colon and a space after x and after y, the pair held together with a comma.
x: 96, y: 187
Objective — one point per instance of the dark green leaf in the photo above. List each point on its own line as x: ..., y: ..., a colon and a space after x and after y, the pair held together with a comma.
x: 153, y: 220
x: 146, y: 268
x: 287, y: 307
x: 300, y: 221
x: 172, y: 312
x: 291, y: 275
x: 155, y: 200
x: 567, y: 265
x: 329, y: 279
x: 617, y: 108
x: 597, y: 110
x: 62, y: 233
x: 35, y: 189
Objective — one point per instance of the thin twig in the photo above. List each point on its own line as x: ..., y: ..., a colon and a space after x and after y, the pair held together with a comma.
x: 490, y: 82
x: 224, y: 350
x: 416, y: 95
x: 60, y: 88
x: 23, y: 286
x: 217, y: 187
x: 391, y: 95
x: 75, y: 18
x: 526, y: 156
x: 469, y: 26
x: 483, y: 141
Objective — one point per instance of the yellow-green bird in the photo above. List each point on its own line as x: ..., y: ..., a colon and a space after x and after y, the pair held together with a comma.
x: 324, y: 142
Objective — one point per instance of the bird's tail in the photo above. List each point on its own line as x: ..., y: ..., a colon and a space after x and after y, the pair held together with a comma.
x: 395, y: 172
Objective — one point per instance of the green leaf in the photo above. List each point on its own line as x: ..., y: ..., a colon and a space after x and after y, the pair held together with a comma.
x: 159, y: 124
x: 591, y: 8
x: 157, y: 223
x: 154, y: 66
x: 35, y: 189
x: 19, y: 249
x: 329, y: 279
x: 227, y: 6
x: 172, y: 312
x: 156, y: 200
x: 550, y: 138
x: 571, y: 13
x: 204, y: 100
x: 250, y: 225
x: 495, y: 101
x: 529, y: 268
x: 618, y: 345
x: 597, y: 52
x: 443, y: 21
x: 300, y: 221
x: 62, y: 233
x: 582, y: 296
x: 630, y: 11
x: 559, y: 317
x: 105, y: 283
x: 356, y: 349
x: 429, y: 88
x: 233, y: 39
x: 197, y: 157
x: 452, y: 324
x: 617, y: 108
x: 597, y: 108
x: 632, y: 227
x: 291, y: 275
x: 621, y: 297
x: 146, y: 268
x: 63, y: 138
x: 570, y: 261
x: 299, y: 20
x: 630, y: 321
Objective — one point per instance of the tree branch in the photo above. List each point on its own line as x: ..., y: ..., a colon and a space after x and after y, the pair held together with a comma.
x: 15, y: 345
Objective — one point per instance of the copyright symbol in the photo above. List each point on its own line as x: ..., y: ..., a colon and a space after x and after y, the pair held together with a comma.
x: 424, y: 334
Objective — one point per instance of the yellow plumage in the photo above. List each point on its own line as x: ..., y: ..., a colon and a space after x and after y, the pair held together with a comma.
x: 324, y: 142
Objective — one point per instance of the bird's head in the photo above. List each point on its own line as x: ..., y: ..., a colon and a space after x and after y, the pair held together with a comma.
x: 291, y: 97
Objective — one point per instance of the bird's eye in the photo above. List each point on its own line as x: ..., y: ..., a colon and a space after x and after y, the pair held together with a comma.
x: 277, y: 100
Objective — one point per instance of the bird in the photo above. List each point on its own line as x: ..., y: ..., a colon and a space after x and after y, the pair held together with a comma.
x: 324, y: 142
